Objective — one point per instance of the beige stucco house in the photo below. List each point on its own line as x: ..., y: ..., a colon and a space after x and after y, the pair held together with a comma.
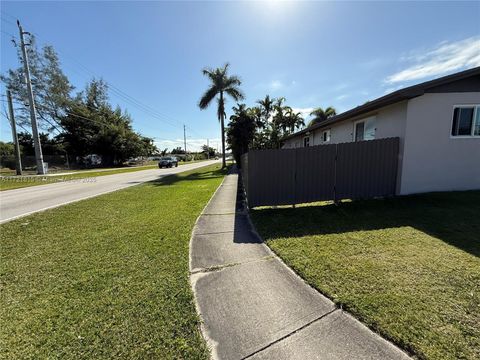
x: 438, y: 123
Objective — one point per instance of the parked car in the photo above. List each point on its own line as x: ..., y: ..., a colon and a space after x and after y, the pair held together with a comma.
x: 92, y: 160
x: 168, y: 162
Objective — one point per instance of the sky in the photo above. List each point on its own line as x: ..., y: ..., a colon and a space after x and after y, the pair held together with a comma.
x: 338, y: 54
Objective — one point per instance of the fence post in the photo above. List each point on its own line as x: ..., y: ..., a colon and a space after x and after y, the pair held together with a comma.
x: 335, y: 201
x: 295, y: 179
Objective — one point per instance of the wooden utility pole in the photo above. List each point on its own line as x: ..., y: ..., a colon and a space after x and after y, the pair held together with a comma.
x: 31, y: 102
x: 18, y: 160
x: 208, y: 150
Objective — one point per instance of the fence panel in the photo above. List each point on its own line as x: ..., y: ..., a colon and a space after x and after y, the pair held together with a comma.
x: 315, y: 173
x: 271, y: 180
x: 326, y: 172
x: 366, y: 169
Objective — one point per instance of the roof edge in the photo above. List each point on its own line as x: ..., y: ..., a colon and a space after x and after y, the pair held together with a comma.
x: 389, y: 99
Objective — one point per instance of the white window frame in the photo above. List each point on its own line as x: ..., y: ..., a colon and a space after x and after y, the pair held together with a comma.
x: 329, y: 135
x: 476, y: 108
x: 364, y: 120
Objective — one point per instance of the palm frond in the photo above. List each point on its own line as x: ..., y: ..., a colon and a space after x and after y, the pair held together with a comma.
x: 234, y: 93
x: 224, y: 69
x: 232, y: 81
x: 208, y: 96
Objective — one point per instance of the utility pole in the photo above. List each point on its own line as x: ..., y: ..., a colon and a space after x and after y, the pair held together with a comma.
x: 208, y: 151
x: 18, y: 160
x: 185, y: 142
x: 33, y: 115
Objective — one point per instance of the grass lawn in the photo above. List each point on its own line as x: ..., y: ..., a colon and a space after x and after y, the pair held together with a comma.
x: 14, y: 182
x: 408, y: 267
x: 105, y: 277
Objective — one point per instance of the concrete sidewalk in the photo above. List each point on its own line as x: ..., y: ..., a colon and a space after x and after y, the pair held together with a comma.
x: 253, y: 306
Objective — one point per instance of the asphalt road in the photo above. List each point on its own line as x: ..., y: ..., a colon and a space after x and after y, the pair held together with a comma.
x: 21, y: 202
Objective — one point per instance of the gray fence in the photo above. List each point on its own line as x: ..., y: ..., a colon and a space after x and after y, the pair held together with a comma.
x: 357, y: 170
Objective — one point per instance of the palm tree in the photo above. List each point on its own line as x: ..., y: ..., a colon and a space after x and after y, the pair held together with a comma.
x: 321, y: 115
x: 221, y: 84
x: 241, y: 131
x: 267, y: 106
x: 280, y: 118
x: 294, y: 120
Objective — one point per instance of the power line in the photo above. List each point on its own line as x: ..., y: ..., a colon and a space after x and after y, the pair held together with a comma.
x: 123, y: 95
x: 78, y: 116
x: 66, y: 112
x: 8, y: 34
x: 126, y: 97
x: 4, y: 13
x: 6, y: 20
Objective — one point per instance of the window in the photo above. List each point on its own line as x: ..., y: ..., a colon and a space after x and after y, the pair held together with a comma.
x: 359, y: 131
x: 365, y: 129
x: 306, y: 141
x: 466, y: 120
x: 326, y: 136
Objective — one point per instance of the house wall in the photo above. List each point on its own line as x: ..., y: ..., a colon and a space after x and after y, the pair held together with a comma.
x: 429, y: 158
x: 390, y: 122
x: 432, y: 159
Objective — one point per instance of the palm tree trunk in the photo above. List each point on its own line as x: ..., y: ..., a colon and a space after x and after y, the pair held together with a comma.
x: 222, y: 115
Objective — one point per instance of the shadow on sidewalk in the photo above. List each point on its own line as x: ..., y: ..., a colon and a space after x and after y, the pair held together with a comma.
x: 243, y: 232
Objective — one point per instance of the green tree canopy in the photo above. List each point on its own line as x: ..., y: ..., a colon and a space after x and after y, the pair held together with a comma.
x: 92, y: 126
x: 51, y: 87
x: 320, y: 115
x: 240, y: 131
x: 7, y: 148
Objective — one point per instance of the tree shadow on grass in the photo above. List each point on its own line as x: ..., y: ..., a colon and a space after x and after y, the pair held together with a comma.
x: 453, y: 217
x: 199, y: 174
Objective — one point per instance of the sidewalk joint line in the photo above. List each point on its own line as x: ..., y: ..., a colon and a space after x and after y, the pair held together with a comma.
x: 289, y: 334
x: 237, y: 213
x: 215, y: 214
x: 223, y: 266
x: 216, y: 232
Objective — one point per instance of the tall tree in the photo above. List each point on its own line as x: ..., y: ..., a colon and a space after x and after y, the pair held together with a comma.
x: 51, y: 86
x: 320, y: 115
x: 281, y: 118
x: 266, y: 107
x: 221, y: 84
x: 294, y: 120
x: 240, y: 131
x: 209, y: 151
x: 92, y: 126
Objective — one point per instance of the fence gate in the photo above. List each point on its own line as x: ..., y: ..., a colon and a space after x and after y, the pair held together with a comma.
x: 326, y: 172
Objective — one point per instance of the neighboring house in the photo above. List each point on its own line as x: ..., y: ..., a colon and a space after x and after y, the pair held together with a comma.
x: 438, y: 123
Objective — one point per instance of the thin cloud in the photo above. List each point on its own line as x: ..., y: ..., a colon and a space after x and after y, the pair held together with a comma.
x: 276, y: 85
x: 342, y: 97
x: 305, y: 112
x: 192, y: 144
x: 340, y: 87
x: 447, y: 57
